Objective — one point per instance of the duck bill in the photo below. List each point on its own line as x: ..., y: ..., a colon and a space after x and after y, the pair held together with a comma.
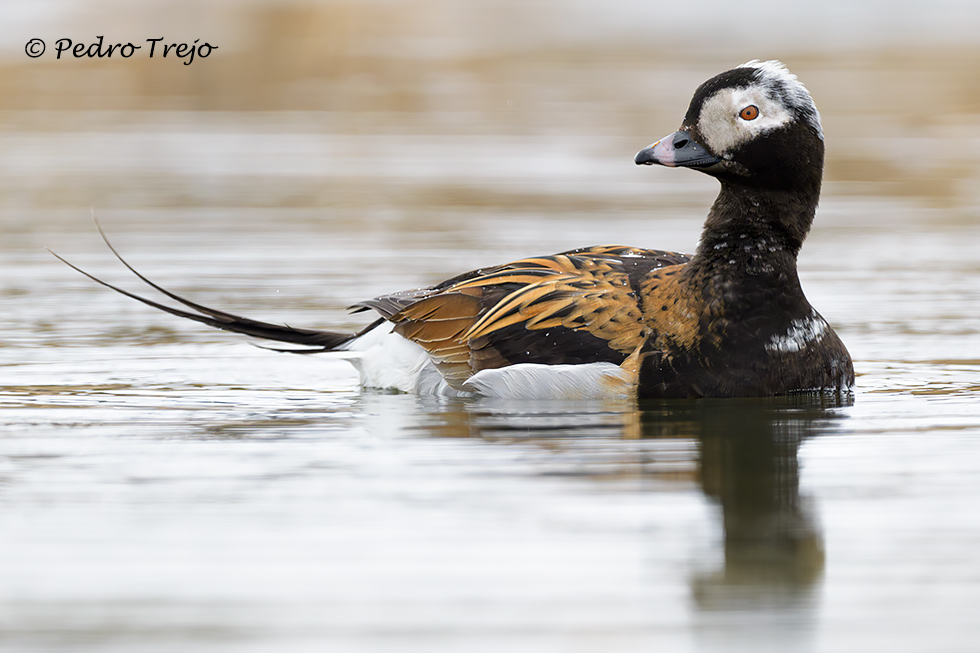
x: 678, y: 150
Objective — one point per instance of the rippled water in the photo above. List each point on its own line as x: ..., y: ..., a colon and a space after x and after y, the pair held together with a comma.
x: 167, y: 487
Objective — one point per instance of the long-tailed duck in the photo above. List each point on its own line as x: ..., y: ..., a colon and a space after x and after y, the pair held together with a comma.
x: 615, y: 321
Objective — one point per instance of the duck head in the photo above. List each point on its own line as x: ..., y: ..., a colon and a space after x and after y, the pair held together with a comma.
x: 755, y: 125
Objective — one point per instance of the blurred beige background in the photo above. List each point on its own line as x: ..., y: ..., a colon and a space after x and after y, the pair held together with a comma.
x: 344, y: 103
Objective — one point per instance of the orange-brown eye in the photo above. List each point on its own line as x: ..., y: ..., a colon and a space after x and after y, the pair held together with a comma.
x: 750, y: 112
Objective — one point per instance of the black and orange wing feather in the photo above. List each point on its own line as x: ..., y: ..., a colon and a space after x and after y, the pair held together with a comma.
x: 575, y: 307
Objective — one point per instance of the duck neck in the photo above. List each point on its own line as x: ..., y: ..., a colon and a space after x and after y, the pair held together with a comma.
x: 752, y: 237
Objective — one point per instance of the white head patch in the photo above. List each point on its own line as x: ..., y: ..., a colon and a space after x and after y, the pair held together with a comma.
x: 778, y: 97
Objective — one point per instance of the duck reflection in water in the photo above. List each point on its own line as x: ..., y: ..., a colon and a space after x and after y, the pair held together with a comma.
x: 748, y: 464
x: 773, y: 547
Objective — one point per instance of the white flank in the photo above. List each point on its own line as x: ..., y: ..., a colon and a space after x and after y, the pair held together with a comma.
x: 534, y: 381
x: 387, y: 361
x: 800, y: 334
